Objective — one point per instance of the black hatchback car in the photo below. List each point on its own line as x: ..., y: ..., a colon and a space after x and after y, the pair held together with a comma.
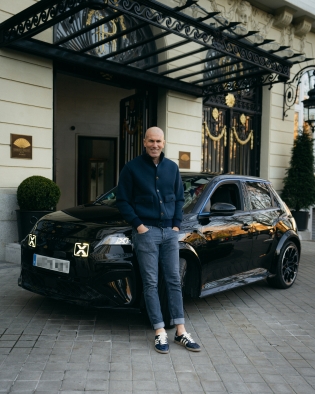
x: 236, y: 230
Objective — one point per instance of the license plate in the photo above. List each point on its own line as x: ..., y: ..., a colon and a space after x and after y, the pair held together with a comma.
x: 51, y: 263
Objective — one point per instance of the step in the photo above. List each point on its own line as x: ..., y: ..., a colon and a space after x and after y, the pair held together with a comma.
x: 12, y: 253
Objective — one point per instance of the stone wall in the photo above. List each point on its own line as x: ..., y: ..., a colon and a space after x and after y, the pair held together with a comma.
x: 26, y: 107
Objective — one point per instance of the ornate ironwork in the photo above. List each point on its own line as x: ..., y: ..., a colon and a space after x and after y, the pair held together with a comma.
x: 37, y: 21
x: 250, y: 56
x: 117, y: 35
x: 240, y: 65
x: 187, y: 27
x: 291, y: 89
x: 240, y: 103
x: 232, y: 85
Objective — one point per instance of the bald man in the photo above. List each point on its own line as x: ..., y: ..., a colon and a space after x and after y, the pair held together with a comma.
x: 150, y: 197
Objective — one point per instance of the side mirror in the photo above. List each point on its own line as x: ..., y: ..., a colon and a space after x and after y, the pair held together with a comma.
x: 222, y: 209
x: 204, y: 217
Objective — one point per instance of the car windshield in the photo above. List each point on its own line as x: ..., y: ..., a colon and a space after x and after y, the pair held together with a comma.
x: 193, y: 188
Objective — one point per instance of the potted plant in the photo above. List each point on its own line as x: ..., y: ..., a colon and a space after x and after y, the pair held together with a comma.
x: 299, y: 183
x: 36, y: 196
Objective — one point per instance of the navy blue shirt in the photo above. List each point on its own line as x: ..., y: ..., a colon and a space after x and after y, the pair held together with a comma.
x: 149, y: 194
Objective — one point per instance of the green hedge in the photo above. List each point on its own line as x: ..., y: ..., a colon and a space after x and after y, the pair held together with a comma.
x: 38, y: 193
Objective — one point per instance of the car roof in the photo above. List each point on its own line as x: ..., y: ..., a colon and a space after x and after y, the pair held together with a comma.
x: 223, y: 176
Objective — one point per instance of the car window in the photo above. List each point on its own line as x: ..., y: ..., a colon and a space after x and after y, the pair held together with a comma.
x: 228, y: 193
x: 108, y: 199
x: 193, y: 188
x: 259, y: 195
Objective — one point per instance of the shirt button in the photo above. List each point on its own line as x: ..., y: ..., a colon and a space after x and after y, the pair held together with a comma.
x: 162, y: 213
x: 160, y: 202
x: 158, y: 190
x: 157, y: 177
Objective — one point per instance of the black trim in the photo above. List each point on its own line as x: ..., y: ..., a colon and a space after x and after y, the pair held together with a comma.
x: 46, y: 50
x: 263, y: 67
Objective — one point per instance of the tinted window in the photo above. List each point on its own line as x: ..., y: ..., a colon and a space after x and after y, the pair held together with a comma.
x: 193, y: 188
x: 259, y: 195
x: 108, y: 199
x: 227, y: 193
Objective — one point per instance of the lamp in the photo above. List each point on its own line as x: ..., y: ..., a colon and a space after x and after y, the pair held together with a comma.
x: 96, y: 4
x: 309, y: 109
x: 291, y: 92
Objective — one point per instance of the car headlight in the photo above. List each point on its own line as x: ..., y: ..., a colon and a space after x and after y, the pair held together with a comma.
x: 115, y: 239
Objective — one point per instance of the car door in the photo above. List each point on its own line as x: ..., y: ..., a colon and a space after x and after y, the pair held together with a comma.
x: 265, y: 215
x: 226, y: 250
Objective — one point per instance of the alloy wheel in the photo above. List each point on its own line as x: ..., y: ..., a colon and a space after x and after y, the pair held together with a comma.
x: 289, y: 264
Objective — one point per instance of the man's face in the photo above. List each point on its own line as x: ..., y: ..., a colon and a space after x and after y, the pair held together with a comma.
x: 154, y: 142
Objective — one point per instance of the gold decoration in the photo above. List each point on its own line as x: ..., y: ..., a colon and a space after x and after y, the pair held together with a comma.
x: 222, y: 134
x: 185, y: 157
x: 109, y: 77
x: 122, y: 23
x: 230, y: 100
x: 243, y: 119
x: 100, y: 31
x: 243, y: 142
x: 184, y: 160
x: 127, y: 129
x: 21, y: 143
x: 215, y: 114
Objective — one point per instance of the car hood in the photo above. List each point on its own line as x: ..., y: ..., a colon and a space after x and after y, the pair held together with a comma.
x: 86, y: 221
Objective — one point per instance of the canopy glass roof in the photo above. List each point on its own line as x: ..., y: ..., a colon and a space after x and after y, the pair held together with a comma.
x: 184, y: 48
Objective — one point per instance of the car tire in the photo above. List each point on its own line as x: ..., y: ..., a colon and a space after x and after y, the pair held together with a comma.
x: 287, y: 267
x: 163, y: 293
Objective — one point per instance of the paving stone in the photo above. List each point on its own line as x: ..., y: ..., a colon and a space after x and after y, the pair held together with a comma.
x: 29, y: 375
x: 48, y: 385
x: 5, y: 385
x: 213, y: 387
x: 120, y: 375
x: 24, y: 385
x: 96, y: 385
x: 254, y: 339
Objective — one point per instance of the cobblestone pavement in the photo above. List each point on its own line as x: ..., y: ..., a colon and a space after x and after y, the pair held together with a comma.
x: 255, y: 340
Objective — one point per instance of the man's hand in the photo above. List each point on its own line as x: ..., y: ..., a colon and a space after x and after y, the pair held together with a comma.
x: 142, y: 229
x: 175, y: 228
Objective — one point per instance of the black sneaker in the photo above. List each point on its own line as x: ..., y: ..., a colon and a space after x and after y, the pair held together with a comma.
x: 187, y: 341
x: 161, y: 343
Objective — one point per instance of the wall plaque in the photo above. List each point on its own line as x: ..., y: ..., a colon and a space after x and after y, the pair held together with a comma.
x: 184, y: 160
x: 21, y: 146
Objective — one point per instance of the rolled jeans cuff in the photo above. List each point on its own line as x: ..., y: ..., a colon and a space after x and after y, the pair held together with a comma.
x: 180, y: 320
x: 158, y: 325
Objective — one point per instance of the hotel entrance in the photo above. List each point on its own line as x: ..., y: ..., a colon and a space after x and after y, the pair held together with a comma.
x: 98, y: 127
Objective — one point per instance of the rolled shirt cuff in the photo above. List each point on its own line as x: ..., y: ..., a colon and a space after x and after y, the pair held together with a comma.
x: 176, y: 223
x: 136, y: 223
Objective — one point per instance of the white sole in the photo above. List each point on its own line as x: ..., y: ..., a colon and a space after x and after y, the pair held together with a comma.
x: 191, y: 350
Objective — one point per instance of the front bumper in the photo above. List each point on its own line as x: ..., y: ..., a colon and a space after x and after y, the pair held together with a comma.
x: 103, y: 280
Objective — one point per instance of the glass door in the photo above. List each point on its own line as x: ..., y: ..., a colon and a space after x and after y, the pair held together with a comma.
x: 97, y: 165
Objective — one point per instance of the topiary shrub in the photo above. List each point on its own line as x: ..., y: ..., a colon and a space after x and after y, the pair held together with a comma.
x: 38, y: 193
x: 299, y: 183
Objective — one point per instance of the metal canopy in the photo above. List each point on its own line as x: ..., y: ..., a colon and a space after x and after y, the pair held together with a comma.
x: 149, y: 42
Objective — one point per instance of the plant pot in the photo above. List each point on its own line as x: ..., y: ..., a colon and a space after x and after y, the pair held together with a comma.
x: 26, y: 221
x: 301, y: 219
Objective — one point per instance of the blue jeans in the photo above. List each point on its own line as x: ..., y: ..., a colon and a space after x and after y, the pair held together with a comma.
x: 160, y: 245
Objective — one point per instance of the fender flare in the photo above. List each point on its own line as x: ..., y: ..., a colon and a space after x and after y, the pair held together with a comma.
x: 194, y: 268
x: 288, y: 235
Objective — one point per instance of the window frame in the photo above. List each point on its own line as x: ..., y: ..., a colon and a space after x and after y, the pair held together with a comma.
x: 220, y: 183
x: 273, y: 203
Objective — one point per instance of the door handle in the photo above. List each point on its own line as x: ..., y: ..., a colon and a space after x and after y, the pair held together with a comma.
x: 246, y: 227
